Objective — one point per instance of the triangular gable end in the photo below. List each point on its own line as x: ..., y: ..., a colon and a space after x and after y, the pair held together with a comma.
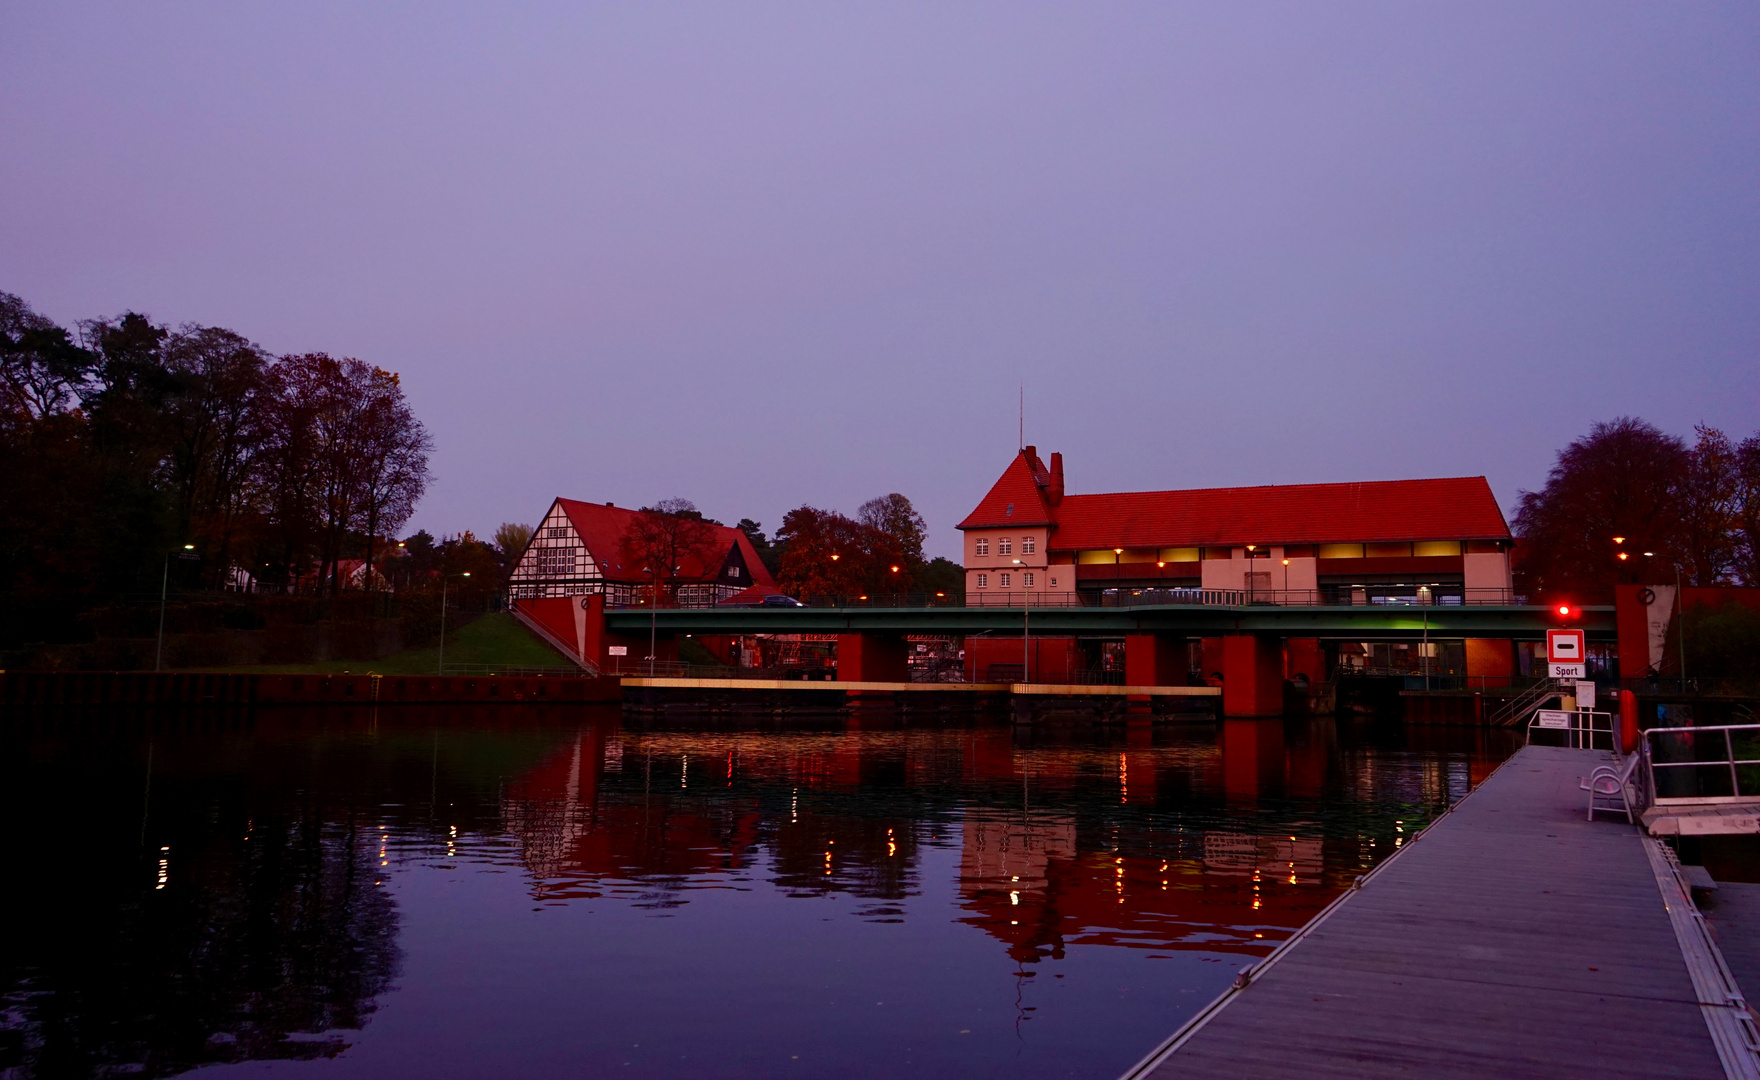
x: 734, y: 571
x: 556, y: 557
x: 1017, y: 499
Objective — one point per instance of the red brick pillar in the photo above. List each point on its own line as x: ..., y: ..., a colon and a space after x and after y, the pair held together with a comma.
x: 872, y: 658
x: 1154, y: 660
x: 1252, y: 675
x: 1304, y: 657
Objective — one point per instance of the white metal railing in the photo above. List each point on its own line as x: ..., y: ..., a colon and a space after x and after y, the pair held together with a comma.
x: 1695, y: 740
x: 1579, y: 727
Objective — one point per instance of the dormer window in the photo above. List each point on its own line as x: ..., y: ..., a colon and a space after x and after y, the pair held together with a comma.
x: 981, y: 546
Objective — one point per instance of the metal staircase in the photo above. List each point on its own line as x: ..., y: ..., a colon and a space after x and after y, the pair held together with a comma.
x: 1515, y: 711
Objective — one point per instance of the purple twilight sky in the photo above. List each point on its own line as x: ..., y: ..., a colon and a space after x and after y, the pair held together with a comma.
x: 761, y: 255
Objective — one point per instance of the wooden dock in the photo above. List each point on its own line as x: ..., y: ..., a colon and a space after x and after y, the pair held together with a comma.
x: 1512, y: 938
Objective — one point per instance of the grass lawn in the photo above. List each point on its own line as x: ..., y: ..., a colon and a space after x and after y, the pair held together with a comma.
x: 494, y: 639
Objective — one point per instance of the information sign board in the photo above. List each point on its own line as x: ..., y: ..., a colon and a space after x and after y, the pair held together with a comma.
x: 617, y: 650
x: 1565, y: 646
x: 1568, y: 671
x: 1585, y: 694
x: 1552, y: 718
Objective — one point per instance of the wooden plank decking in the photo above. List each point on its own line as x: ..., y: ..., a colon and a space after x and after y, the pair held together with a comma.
x: 1514, y: 938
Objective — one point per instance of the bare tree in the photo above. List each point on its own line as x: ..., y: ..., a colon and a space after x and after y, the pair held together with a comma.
x: 1746, y: 530
x: 895, y: 516
x: 1622, y: 479
x: 511, y: 540
x: 666, y: 540
x: 41, y: 367
x: 216, y: 430
x: 392, y: 451
x: 1711, y: 496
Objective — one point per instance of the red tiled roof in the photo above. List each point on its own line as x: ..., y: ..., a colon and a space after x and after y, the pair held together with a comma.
x: 602, y: 529
x: 1017, y: 499
x: 1458, y: 508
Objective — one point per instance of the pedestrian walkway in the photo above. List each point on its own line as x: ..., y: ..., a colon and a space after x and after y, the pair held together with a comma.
x: 1513, y: 938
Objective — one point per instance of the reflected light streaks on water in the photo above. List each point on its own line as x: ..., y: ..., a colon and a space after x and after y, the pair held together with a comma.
x: 1116, y: 879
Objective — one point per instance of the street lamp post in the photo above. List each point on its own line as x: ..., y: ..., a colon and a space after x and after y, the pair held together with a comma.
x: 164, y: 583
x: 445, y: 579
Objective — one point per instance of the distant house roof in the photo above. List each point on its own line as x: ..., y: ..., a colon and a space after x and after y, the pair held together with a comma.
x: 1455, y: 508
x: 602, y: 528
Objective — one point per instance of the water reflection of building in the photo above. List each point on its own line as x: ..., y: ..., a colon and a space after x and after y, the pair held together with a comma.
x: 1164, y: 841
x: 1013, y: 850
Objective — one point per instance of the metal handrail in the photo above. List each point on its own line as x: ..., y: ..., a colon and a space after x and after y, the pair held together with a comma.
x: 1729, y: 760
x: 1582, y: 728
x: 1511, y: 712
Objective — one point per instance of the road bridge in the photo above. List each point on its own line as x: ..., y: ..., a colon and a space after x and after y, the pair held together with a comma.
x: 872, y: 640
x: 1342, y: 622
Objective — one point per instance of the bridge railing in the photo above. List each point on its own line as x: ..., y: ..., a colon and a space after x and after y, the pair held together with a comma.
x: 1330, y: 596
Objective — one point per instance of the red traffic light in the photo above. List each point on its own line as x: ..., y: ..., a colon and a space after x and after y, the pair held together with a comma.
x: 1566, y: 610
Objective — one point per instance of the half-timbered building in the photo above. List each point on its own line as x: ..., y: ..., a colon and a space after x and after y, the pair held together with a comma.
x: 582, y: 548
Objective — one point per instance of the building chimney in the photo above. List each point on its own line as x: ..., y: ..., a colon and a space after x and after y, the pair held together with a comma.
x: 1055, y: 495
x: 1032, y: 453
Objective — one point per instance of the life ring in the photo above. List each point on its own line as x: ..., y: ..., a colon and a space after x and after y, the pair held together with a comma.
x: 1646, y: 596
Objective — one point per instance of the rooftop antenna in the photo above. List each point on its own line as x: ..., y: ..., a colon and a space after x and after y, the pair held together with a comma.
x: 1023, y: 431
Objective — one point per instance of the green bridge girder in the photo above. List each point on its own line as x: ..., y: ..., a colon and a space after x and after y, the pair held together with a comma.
x: 1358, y: 623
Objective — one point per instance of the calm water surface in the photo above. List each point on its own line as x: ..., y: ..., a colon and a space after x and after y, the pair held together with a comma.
x: 468, y: 892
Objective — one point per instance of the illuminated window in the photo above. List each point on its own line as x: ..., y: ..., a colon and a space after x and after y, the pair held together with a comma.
x: 1004, y: 546
x: 983, y: 581
x: 1027, y: 581
x: 1028, y: 543
x: 1006, y: 580
x: 981, y: 546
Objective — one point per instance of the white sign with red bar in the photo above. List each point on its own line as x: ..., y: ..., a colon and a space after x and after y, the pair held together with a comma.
x: 1565, y: 646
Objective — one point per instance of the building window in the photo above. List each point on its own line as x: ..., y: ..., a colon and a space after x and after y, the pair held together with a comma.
x: 1027, y: 581
x: 1004, y: 546
x: 1027, y: 545
x: 983, y: 581
x: 981, y: 546
x: 1007, y: 579
x: 1053, y: 583
x: 556, y: 532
